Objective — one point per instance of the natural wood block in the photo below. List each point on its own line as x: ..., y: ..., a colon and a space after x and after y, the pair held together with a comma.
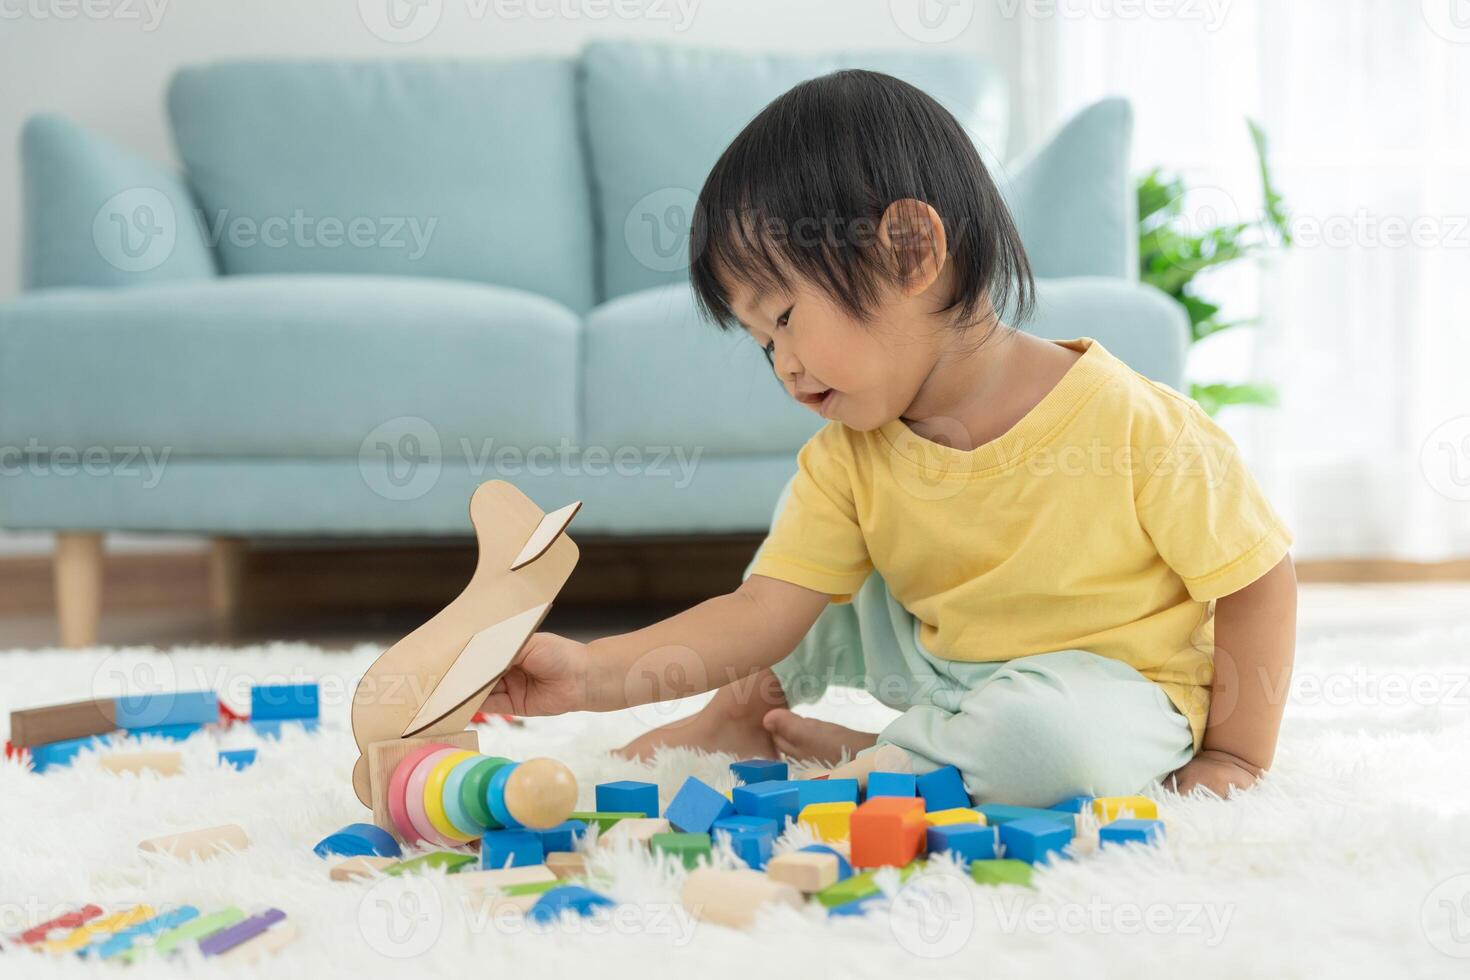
x: 366, y: 866
x: 62, y: 722
x: 733, y: 898
x: 567, y: 864
x: 384, y: 756
x: 806, y: 871
x: 199, y: 844
x: 163, y: 763
x: 634, y: 830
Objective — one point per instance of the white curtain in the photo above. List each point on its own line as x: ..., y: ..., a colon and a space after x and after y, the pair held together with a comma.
x: 1365, y: 322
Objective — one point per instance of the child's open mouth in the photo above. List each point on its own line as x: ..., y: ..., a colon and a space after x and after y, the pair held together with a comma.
x: 814, y: 399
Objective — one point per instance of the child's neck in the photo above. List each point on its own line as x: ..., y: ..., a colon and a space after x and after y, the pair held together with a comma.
x: 986, y: 390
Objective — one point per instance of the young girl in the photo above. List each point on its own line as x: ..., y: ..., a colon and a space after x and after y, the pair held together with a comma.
x: 1056, y: 569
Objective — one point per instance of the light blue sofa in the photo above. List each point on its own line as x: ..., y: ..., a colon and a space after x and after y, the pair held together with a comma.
x: 374, y: 285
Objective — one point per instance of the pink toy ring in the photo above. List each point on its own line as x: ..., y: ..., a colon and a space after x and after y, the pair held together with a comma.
x: 398, y: 785
x: 413, y: 796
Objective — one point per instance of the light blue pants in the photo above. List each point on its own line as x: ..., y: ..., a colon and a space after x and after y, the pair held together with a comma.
x: 1031, y: 731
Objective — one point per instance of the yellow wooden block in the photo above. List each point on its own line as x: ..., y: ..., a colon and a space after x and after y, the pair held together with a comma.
x: 959, y: 814
x: 98, y: 928
x: 1110, y: 808
x: 828, y: 821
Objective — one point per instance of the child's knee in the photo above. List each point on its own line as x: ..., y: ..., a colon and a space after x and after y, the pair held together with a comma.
x: 1036, y: 750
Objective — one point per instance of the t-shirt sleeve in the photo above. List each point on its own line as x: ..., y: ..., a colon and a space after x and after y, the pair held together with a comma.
x: 816, y: 541
x: 1206, y: 514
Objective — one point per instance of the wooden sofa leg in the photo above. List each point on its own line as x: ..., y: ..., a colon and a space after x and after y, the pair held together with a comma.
x: 78, y: 567
x: 226, y: 566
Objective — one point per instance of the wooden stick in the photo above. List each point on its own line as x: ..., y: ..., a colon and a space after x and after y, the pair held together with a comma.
x: 200, y: 844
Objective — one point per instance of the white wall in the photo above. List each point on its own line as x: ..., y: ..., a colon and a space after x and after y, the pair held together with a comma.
x: 104, y: 63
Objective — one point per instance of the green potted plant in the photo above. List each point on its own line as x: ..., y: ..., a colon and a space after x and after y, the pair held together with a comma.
x: 1172, y: 251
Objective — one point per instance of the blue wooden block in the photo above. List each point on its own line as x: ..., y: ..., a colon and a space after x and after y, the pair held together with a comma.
x: 166, y: 708
x: 758, y: 770
x: 175, y: 733
x: 567, y: 898
x: 1131, y: 832
x: 778, y: 800
x: 968, y: 841
x: 273, y: 727
x: 59, y: 755
x: 510, y: 848
x: 943, y: 789
x: 999, y: 813
x: 893, y: 784
x: 359, y: 840
x: 278, y: 702
x: 751, y: 844
x: 1034, y: 839
x: 826, y: 791
x: 743, y: 824
x: 860, y: 906
x: 628, y: 796
x: 237, y: 758
x: 696, y: 807
x: 1073, y: 804
x: 562, y: 837
x: 844, y: 869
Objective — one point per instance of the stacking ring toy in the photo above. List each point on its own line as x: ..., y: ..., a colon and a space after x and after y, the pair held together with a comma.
x: 450, y: 797
x: 435, y: 797
x: 413, y: 797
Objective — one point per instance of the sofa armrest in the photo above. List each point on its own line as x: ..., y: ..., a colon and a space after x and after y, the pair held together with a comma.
x: 1137, y: 323
x: 97, y: 215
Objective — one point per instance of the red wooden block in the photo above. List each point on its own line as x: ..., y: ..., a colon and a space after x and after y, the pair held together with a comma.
x: 71, y: 920
x: 887, y: 830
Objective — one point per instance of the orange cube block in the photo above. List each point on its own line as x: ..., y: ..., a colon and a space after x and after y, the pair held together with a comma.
x: 887, y: 830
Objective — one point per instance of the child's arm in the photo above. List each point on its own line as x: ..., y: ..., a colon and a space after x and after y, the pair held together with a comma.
x: 710, y: 645
x: 1255, y: 640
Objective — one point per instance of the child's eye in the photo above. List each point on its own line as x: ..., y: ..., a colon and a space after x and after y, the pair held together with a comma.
x: 782, y: 320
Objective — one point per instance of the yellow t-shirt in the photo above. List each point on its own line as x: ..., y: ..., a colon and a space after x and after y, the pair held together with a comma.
x: 1107, y: 519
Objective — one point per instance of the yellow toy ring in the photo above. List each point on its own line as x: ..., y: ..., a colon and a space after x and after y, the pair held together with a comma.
x: 434, y: 796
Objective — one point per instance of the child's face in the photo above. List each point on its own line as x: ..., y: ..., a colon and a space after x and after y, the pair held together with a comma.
x: 863, y: 375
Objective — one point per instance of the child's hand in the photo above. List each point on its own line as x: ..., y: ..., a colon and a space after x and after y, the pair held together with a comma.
x: 550, y: 676
x: 1217, y: 772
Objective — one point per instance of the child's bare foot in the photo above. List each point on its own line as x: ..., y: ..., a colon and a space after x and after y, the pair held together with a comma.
x: 731, y: 722
x: 807, y: 738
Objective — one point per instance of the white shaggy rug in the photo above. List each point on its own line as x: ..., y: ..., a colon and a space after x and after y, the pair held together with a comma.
x: 1351, y: 859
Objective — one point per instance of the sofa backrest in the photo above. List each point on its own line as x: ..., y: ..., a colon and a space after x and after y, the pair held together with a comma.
x: 464, y: 169
x: 658, y: 116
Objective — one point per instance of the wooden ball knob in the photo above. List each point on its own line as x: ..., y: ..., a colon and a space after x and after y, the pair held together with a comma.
x: 540, y: 793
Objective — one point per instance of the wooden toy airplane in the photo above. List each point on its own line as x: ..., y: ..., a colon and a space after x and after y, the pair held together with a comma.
x: 432, y: 681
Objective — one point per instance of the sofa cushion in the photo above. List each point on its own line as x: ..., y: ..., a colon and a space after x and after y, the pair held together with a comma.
x: 659, y: 116
x: 288, y: 366
x: 656, y: 374
x: 454, y: 168
x: 1073, y: 197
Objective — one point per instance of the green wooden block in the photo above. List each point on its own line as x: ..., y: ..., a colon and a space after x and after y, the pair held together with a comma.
x: 449, y: 861
x: 188, y: 932
x: 603, y: 820
x: 688, y: 847
x: 1001, y: 871
x: 532, y: 887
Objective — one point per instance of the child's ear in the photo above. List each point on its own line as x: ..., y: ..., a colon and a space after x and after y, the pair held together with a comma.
x: 912, y: 235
